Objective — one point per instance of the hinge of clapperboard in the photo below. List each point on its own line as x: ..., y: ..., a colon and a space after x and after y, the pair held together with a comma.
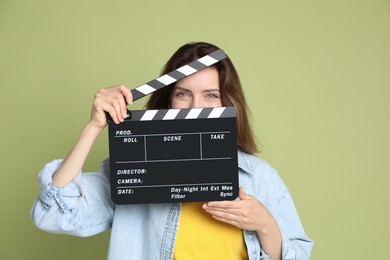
x: 173, y: 76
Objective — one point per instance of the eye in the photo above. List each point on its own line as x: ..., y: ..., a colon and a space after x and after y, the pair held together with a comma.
x: 212, y: 95
x: 180, y: 94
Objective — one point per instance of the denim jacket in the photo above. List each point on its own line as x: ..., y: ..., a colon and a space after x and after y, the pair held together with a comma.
x: 148, y: 231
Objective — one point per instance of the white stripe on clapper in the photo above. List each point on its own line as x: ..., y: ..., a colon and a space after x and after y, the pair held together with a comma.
x: 187, y: 70
x: 166, y: 79
x: 145, y: 89
x: 149, y: 114
x: 207, y: 60
x: 171, y: 114
x: 194, y: 113
x: 216, y: 112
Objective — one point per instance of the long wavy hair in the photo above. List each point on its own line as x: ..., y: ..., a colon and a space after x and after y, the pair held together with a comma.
x: 230, y: 89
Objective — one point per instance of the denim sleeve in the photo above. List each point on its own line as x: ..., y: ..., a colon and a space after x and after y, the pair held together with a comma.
x: 82, y: 208
x: 295, y: 243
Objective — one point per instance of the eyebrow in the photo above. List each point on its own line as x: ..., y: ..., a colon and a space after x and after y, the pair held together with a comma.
x: 206, y: 90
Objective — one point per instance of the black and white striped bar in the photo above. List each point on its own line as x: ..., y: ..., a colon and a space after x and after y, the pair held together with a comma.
x: 176, y: 114
x: 178, y: 74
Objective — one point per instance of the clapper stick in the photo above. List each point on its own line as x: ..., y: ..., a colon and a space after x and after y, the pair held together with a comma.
x: 178, y: 74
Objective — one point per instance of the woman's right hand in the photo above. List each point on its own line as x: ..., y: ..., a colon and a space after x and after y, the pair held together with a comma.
x: 111, y: 100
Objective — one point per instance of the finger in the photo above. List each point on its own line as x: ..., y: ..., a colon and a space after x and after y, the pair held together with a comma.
x: 111, y: 110
x: 243, y: 196
x: 223, y: 214
x: 223, y: 204
x: 122, y: 106
x: 117, y: 107
x: 228, y: 221
x: 235, y: 211
x: 219, y: 211
x: 127, y: 94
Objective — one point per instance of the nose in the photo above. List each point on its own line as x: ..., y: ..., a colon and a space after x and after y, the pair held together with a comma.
x: 196, y: 102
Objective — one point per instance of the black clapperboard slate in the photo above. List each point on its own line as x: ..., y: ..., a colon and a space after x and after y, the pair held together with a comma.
x: 174, y: 155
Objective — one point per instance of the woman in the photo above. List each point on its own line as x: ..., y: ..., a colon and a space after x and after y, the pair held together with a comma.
x: 261, y: 224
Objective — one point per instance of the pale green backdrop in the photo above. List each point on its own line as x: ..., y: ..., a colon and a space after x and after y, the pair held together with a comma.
x: 316, y: 75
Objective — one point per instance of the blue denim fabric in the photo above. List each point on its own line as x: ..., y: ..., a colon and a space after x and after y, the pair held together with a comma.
x: 148, y: 231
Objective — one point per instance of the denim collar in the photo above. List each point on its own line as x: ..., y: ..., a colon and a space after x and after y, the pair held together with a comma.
x: 243, y: 161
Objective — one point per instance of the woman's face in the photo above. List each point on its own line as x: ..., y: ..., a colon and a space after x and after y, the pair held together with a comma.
x: 200, y: 89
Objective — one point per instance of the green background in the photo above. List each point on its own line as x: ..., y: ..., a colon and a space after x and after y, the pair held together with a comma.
x: 316, y: 76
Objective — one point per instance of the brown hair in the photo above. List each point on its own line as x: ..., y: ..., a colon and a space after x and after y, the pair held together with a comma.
x: 230, y: 89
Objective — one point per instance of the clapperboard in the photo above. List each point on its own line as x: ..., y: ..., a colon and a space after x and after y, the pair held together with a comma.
x: 174, y: 155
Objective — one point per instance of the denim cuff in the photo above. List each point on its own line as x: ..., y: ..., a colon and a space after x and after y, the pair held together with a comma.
x: 288, y: 248
x: 51, y: 195
x: 264, y: 256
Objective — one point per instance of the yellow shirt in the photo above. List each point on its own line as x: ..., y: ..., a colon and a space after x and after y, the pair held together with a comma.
x: 200, y: 236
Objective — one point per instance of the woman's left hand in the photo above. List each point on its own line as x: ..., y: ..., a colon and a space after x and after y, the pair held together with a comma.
x: 250, y: 214
x: 247, y: 213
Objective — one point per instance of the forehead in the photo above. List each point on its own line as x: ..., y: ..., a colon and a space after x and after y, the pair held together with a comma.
x: 205, y: 77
